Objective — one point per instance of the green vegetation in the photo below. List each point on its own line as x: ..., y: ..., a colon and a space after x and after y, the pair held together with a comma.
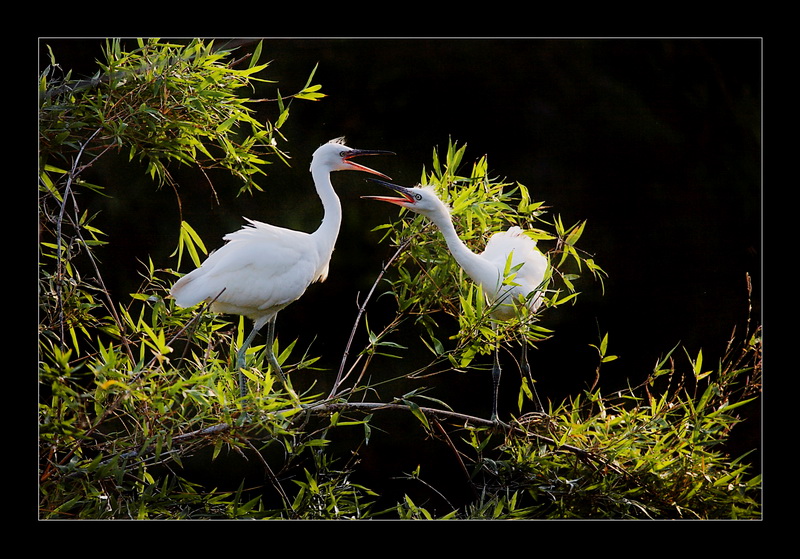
x: 139, y: 408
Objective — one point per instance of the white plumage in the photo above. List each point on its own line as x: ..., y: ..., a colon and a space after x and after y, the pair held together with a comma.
x: 263, y: 268
x: 527, y: 269
x: 504, y: 283
x: 527, y: 279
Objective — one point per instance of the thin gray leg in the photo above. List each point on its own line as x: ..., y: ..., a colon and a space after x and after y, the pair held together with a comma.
x: 526, y: 370
x: 496, y: 371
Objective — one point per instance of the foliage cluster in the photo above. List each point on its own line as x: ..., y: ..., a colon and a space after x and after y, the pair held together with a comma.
x: 137, y: 396
x: 654, y: 451
x: 430, y: 284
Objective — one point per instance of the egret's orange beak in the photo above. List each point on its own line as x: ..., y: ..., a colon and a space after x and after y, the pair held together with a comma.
x: 358, y: 152
x: 407, y: 198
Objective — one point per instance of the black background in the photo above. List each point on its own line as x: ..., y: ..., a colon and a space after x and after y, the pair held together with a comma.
x: 656, y: 142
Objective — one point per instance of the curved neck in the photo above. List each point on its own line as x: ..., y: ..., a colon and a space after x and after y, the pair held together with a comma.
x: 328, y: 230
x: 476, y: 267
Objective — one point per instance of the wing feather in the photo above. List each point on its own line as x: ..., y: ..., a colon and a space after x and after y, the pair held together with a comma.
x: 260, y: 270
x: 524, y: 252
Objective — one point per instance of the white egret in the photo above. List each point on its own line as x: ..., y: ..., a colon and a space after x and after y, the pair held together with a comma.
x: 511, y: 270
x: 263, y: 268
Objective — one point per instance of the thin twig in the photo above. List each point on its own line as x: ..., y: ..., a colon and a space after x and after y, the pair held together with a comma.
x: 271, y: 475
x: 457, y: 454
x: 361, y: 310
x: 59, y: 264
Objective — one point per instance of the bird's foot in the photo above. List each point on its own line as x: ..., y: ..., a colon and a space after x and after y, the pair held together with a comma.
x: 497, y: 425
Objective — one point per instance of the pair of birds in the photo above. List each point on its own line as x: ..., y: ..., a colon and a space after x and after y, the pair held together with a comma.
x: 262, y: 268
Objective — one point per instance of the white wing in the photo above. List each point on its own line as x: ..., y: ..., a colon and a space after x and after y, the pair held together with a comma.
x: 262, y: 268
x: 523, y: 252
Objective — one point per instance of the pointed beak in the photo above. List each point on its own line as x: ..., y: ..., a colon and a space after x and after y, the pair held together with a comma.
x: 359, y: 152
x: 406, y: 198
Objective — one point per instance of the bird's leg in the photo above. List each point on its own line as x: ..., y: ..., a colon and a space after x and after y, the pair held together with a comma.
x: 495, y: 382
x: 273, y: 361
x: 240, y: 358
x: 526, y: 370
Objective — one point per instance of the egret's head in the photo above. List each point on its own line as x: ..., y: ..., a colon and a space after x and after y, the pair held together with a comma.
x: 335, y: 156
x: 419, y: 199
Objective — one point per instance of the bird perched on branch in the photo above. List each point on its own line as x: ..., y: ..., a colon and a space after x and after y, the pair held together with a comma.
x: 511, y: 270
x: 263, y: 268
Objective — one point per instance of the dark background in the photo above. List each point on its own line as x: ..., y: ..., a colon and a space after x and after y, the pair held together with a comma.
x: 657, y: 143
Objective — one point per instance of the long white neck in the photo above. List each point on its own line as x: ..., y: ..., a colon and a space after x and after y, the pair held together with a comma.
x: 476, y: 267
x: 328, y: 230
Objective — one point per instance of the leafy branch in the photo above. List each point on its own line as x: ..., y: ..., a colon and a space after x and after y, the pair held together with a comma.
x: 428, y: 282
x: 135, y: 395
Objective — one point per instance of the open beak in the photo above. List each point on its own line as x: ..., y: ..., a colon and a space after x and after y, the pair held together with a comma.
x: 406, y: 197
x: 358, y: 152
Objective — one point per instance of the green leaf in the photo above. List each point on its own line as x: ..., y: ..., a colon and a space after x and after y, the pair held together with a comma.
x: 418, y: 413
x: 310, y: 93
x: 191, y: 241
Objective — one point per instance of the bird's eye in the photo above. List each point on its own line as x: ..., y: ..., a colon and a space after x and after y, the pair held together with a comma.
x: 342, y: 153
